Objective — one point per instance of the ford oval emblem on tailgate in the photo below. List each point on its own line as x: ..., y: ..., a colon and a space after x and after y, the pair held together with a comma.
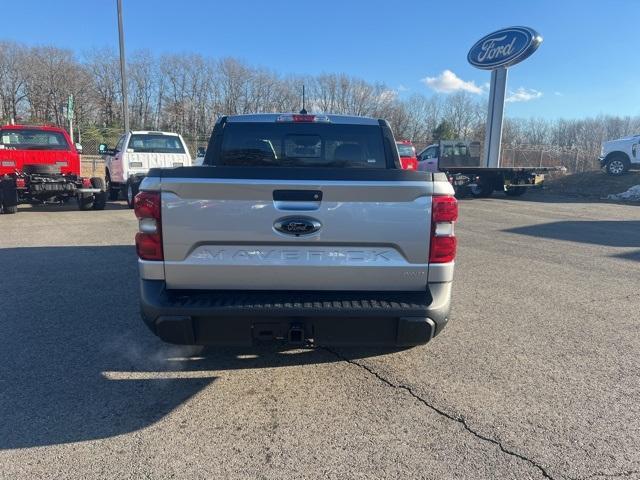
x: 297, y: 226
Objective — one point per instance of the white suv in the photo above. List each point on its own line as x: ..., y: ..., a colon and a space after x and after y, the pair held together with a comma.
x: 618, y: 156
x: 135, y: 153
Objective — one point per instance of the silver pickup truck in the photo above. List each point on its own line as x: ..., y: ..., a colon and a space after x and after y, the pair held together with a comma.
x: 297, y: 228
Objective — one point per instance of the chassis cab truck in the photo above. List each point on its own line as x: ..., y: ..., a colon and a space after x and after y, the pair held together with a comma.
x: 297, y: 228
x: 460, y: 161
x: 135, y: 153
x: 40, y: 165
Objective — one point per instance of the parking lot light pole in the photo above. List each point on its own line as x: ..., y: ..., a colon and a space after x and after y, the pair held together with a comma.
x: 123, y: 73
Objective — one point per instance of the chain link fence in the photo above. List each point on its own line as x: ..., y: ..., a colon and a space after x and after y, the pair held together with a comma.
x: 91, y: 138
x: 575, y: 160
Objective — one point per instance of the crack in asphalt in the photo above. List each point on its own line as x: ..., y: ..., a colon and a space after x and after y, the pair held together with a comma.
x: 458, y: 419
x: 463, y: 422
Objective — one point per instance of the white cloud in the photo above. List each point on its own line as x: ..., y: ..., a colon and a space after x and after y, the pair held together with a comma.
x: 402, y: 88
x: 558, y: 94
x: 449, y: 82
x: 523, y: 95
x: 388, y: 95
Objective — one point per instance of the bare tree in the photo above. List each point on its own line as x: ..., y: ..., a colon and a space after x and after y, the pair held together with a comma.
x: 12, y: 78
x: 187, y: 93
x: 104, y: 68
x: 52, y: 74
x: 463, y: 113
x: 143, y: 80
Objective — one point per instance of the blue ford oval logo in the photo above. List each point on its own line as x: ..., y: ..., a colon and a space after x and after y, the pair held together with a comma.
x: 504, y: 48
x: 297, y: 226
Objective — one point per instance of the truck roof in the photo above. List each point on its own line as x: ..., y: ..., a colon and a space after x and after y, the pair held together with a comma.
x: 273, y: 117
x: 51, y: 128
x: 153, y: 132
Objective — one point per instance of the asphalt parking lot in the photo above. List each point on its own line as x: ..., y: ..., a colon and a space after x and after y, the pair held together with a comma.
x: 536, y: 376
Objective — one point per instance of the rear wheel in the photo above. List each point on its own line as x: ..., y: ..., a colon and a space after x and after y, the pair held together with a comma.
x: 100, y: 198
x: 85, y: 201
x: 480, y: 190
x: 10, y: 210
x: 515, y: 191
x: 132, y: 191
x: 617, y: 166
x: 8, y: 197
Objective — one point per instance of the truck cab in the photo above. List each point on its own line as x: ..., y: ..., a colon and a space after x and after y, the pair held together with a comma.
x: 135, y: 153
x: 428, y: 159
x: 449, y: 153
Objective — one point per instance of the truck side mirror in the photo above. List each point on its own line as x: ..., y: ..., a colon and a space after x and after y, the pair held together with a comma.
x: 79, y: 148
x: 102, y: 148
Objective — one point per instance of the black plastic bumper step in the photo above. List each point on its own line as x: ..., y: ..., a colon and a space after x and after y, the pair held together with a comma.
x: 292, y: 303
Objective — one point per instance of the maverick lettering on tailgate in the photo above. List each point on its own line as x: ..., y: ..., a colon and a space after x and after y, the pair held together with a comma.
x: 277, y: 255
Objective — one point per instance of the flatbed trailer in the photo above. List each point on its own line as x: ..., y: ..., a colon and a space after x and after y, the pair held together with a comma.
x: 460, y: 161
x: 481, y: 182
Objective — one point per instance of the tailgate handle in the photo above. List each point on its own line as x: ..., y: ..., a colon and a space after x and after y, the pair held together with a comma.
x: 297, y: 200
x: 297, y: 195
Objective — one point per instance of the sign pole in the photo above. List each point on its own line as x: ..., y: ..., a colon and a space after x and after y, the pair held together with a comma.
x: 70, y: 107
x: 493, y: 135
x: 123, y: 72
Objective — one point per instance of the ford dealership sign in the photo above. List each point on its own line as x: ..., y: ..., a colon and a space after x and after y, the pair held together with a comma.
x: 504, y: 48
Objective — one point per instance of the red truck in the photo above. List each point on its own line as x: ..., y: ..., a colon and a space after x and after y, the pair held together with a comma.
x: 408, y: 159
x: 41, y: 165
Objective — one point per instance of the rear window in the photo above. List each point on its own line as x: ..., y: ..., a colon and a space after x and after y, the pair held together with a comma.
x: 406, y: 150
x: 155, y: 143
x: 302, y: 145
x: 32, y: 139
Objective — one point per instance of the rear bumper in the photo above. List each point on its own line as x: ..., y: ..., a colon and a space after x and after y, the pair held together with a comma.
x: 327, y: 318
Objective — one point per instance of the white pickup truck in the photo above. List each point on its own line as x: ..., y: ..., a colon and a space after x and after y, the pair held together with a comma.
x: 297, y: 228
x: 621, y: 155
x: 134, y: 154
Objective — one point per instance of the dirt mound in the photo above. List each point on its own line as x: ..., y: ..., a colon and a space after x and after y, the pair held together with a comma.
x: 594, y: 184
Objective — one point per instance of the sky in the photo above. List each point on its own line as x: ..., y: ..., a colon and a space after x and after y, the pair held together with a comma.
x: 587, y: 65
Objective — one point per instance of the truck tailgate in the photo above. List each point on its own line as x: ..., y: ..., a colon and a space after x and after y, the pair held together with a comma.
x: 144, y: 161
x: 228, y: 233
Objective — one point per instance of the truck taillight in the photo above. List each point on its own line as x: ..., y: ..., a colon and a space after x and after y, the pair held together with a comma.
x: 444, y: 213
x: 149, y: 238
